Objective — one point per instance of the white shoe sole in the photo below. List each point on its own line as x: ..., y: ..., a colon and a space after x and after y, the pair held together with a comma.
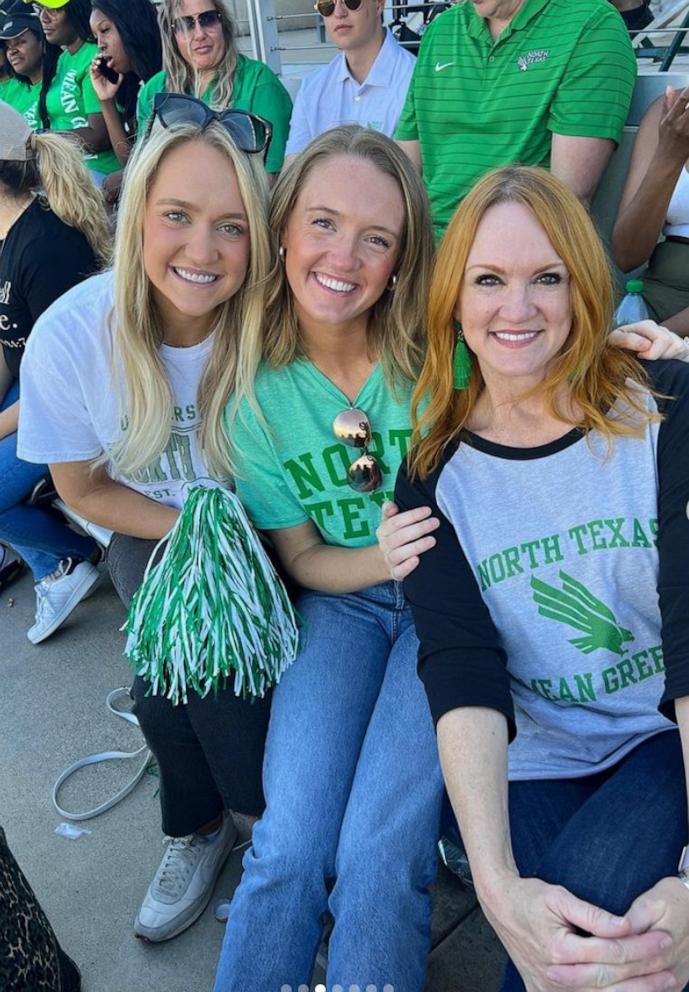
x: 158, y: 935
x: 78, y: 593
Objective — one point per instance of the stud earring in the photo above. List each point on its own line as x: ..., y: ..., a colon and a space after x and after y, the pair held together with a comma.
x: 392, y: 283
x: 281, y: 253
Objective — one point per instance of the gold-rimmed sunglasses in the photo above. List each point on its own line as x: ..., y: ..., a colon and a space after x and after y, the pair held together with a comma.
x: 353, y: 428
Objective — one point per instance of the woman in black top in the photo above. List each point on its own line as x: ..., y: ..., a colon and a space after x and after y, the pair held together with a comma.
x: 48, y: 243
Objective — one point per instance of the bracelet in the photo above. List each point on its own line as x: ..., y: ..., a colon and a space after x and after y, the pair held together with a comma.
x: 683, y: 876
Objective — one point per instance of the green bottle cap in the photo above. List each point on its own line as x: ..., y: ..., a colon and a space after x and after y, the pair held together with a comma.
x: 634, y: 286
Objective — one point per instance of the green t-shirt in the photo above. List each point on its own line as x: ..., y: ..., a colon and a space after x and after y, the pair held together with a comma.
x: 71, y: 98
x: 256, y: 89
x: 560, y: 67
x: 24, y: 98
x: 26, y: 102
x: 292, y: 468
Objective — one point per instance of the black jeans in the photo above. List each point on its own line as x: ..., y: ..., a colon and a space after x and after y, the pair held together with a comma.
x: 209, y: 750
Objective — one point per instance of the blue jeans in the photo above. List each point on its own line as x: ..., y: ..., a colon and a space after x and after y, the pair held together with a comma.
x: 353, y: 793
x: 41, y: 539
x: 607, y: 838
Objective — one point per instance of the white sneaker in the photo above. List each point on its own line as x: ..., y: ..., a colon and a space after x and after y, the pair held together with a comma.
x: 184, y: 883
x: 59, y: 594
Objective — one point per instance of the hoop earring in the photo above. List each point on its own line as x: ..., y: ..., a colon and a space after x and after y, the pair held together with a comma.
x: 281, y: 253
x: 392, y: 282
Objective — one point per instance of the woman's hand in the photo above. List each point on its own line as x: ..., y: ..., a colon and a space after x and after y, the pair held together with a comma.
x: 650, y: 341
x: 673, y: 130
x: 404, y: 536
x: 666, y: 907
x: 540, y: 925
x: 105, y: 90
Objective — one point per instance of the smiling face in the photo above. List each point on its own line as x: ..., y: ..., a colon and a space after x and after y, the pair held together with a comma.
x: 354, y: 29
x: 109, y: 41
x: 514, y: 304
x: 342, y: 241
x: 25, y: 55
x: 196, y: 239
x: 202, y: 47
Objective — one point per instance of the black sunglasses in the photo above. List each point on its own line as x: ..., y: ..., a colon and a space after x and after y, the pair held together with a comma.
x: 326, y: 8
x: 206, y: 19
x: 249, y: 132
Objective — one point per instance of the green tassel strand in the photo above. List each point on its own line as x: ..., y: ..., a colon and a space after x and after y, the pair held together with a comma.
x: 213, y: 607
x: 461, y: 363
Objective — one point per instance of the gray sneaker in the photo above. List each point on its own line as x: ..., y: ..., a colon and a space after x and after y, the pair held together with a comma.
x: 184, y: 883
x: 59, y: 594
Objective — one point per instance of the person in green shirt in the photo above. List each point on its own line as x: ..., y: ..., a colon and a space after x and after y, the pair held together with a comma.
x: 200, y: 58
x: 316, y: 453
x: 33, y: 61
x: 534, y: 82
x: 71, y: 102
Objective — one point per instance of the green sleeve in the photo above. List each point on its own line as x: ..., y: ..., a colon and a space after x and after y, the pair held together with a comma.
x: 259, y: 477
x: 144, y: 103
x: 407, y: 128
x: 272, y: 101
x: 594, y: 96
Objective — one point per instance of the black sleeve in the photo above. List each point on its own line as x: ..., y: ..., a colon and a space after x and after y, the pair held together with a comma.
x: 52, y: 265
x: 671, y: 379
x: 461, y: 660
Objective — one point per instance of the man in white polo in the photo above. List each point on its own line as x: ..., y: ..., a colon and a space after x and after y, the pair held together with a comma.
x: 365, y: 84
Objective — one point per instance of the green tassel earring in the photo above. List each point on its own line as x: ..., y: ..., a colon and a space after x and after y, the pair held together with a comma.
x: 461, y: 361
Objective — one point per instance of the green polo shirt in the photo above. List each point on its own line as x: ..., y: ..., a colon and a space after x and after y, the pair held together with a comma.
x: 474, y: 103
x: 256, y: 89
x: 71, y: 98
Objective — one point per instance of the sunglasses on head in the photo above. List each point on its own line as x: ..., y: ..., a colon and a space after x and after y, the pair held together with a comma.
x: 206, y: 19
x: 249, y: 132
x: 353, y: 428
x: 327, y: 7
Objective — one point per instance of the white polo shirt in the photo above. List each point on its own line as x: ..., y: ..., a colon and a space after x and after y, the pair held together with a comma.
x: 330, y: 96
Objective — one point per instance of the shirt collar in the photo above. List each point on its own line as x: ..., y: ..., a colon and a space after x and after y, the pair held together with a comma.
x: 380, y: 73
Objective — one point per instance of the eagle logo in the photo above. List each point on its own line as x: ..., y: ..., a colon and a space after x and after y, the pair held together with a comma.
x: 577, y: 607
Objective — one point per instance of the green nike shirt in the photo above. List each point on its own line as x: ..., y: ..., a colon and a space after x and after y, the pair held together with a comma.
x: 474, y: 103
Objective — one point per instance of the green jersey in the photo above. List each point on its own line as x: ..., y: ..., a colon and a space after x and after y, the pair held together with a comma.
x: 476, y: 103
x: 291, y: 468
x: 71, y: 98
x: 256, y: 89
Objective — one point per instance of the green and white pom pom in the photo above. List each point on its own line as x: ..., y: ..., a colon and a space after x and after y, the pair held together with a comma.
x: 213, y: 607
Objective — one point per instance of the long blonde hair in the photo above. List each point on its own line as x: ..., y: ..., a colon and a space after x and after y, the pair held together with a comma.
x: 184, y: 78
x: 58, y: 175
x: 138, y: 334
x: 396, y: 325
x: 597, y: 375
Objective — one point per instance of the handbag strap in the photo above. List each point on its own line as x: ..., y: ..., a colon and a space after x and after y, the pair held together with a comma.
x: 143, y: 753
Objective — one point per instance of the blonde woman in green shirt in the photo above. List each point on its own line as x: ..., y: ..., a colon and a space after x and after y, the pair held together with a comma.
x: 200, y: 58
x: 71, y: 102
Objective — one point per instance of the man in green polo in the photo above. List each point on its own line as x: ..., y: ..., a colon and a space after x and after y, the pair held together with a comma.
x: 534, y: 82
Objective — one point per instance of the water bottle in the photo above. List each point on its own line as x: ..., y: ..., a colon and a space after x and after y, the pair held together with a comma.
x: 632, y: 307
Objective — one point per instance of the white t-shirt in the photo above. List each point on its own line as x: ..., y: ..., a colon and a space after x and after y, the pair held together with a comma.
x: 70, y: 409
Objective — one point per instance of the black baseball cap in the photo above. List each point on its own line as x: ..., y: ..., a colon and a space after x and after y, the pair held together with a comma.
x: 12, y: 25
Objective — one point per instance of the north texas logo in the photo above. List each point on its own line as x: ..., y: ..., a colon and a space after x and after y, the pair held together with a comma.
x: 524, y: 61
x: 577, y: 607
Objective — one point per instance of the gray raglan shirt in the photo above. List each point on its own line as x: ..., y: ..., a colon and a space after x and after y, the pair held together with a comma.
x: 558, y: 590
